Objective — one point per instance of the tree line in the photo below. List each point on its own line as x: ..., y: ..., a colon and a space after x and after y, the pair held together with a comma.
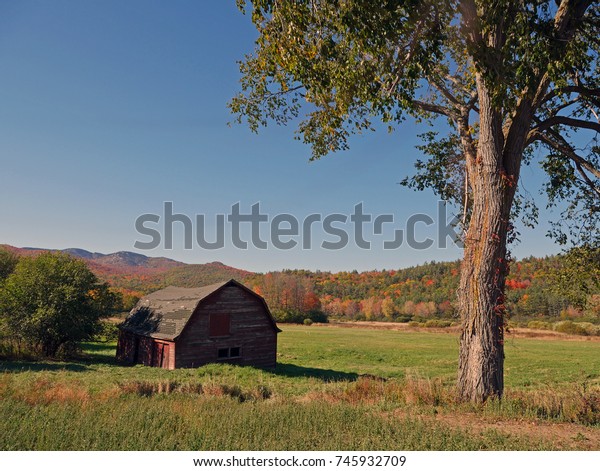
x: 50, y: 302
x: 548, y: 289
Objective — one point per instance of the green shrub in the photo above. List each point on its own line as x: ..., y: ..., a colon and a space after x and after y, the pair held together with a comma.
x: 53, y: 301
x: 298, y: 317
x: 590, y: 329
x: 570, y: 327
x: 288, y: 316
x: 308, y: 322
x: 318, y: 316
x: 109, y: 332
x: 539, y: 325
x: 438, y: 323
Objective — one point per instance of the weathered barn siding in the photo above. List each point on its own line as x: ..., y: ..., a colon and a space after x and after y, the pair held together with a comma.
x: 250, y: 330
x: 136, y: 349
x: 127, y: 347
x: 190, y: 327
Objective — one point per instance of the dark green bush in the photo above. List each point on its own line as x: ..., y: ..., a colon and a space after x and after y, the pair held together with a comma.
x: 438, y: 323
x: 570, y: 327
x: 540, y: 325
x: 298, y: 317
x: 109, y: 332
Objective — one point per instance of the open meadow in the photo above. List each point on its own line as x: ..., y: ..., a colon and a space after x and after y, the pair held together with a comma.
x: 334, y: 388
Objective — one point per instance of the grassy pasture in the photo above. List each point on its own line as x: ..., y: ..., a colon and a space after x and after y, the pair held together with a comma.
x: 334, y: 388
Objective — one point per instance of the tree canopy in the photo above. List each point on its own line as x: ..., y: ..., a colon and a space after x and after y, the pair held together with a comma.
x: 579, y: 275
x: 340, y: 65
x: 8, y: 262
x: 51, y: 301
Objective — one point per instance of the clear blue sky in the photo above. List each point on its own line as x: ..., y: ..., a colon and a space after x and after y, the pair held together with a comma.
x: 110, y: 108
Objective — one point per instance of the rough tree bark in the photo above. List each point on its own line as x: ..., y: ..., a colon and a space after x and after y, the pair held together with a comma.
x: 485, y: 266
x: 481, y: 299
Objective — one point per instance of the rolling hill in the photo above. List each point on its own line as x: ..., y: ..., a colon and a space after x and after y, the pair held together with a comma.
x: 138, y: 274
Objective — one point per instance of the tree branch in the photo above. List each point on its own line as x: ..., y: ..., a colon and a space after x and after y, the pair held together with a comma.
x: 587, y: 179
x: 562, y: 146
x: 439, y: 85
x: 470, y: 21
x: 554, y: 111
x: 433, y: 108
x: 568, y: 11
x: 579, y: 89
x: 568, y: 15
x: 565, y: 120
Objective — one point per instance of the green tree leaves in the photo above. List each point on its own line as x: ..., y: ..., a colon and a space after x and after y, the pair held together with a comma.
x: 8, y: 262
x: 336, y: 67
x: 578, y: 277
x: 52, y: 301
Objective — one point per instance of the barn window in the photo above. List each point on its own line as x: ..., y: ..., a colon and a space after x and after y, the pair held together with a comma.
x: 223, y: 353
x: 219, y: 325
x: 233, y: 352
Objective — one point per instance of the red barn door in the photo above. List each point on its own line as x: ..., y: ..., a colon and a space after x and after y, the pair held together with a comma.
x: 160, y: 355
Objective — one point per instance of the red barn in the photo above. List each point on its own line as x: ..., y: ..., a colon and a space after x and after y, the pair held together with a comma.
x: 188, y: 327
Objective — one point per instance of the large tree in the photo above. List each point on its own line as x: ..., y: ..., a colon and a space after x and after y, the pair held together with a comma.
x: 51, y: 301
x: 515, y: 81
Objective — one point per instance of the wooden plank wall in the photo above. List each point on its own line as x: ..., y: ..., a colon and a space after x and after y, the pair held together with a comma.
x: 250, y: 329
x: 168, y: 354
x: 126, y: 350
x: 125, y: 347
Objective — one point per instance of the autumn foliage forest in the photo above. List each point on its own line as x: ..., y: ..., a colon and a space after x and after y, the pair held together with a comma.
x: 424, y: 294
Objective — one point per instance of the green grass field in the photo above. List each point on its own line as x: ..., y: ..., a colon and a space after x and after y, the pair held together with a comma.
x: 334, y: 388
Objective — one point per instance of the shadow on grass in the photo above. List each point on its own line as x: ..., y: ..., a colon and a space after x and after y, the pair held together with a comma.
x: 295, y: 371
x: 22, y: 366
x: 95, y: 352
x: 92, y: 354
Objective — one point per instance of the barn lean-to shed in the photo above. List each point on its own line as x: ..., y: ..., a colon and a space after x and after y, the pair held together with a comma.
x: 189, y: 327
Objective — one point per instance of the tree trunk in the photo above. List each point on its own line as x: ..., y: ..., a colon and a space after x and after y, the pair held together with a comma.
x: 493, y: 174
x: 481, y: 299
x: 485, y: 264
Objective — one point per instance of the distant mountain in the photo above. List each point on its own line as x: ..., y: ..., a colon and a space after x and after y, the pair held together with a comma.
x: 135, y: 272
x: 132, y: 259
x: 117, y: 259
x: 80, y: 253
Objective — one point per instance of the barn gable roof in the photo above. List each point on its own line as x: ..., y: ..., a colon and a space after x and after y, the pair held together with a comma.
x: 165, y: 313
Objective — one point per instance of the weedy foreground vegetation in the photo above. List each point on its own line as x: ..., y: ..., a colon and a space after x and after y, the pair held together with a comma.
x: 334, y: 388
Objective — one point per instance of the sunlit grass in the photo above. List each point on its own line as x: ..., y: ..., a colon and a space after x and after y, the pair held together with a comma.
x: 333, y: 388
